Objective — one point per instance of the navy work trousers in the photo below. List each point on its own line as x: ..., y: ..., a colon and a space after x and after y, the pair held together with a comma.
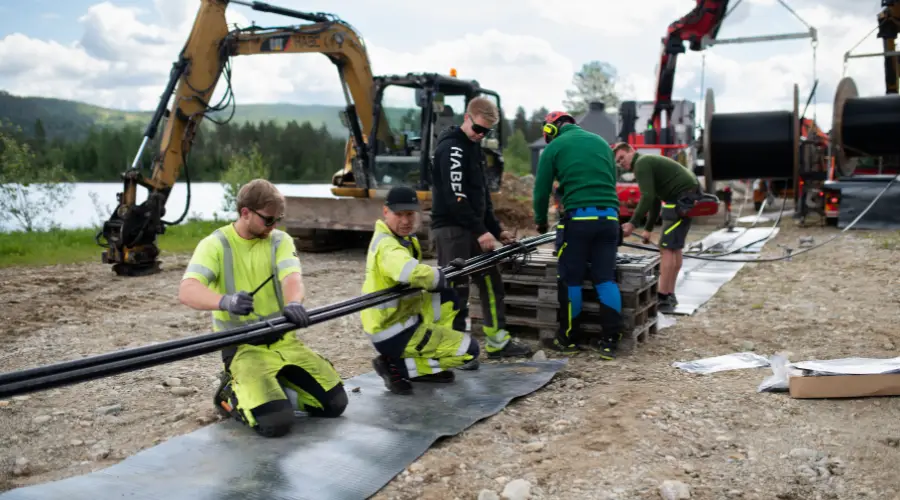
x: 588, y: 238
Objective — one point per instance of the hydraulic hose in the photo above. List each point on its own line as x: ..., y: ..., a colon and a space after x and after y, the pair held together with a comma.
x: 85, y: 369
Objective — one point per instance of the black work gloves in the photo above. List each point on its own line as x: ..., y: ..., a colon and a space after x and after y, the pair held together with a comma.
x: 240, y: 303
x: 296, y: 313
x: 457, y: 263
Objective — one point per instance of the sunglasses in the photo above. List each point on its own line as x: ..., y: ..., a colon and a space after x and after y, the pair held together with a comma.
x: 478, y: 129
x: 268, y: 220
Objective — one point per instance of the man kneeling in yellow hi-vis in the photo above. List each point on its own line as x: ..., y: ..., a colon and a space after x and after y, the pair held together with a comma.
x: 413, y: 335
x: 246, y: 272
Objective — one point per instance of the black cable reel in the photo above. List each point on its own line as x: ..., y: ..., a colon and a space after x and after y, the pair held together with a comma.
x: 864, y: 127
x: 761, y: 144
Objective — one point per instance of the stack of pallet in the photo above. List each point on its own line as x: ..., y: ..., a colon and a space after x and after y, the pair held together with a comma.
x: 532, y: 302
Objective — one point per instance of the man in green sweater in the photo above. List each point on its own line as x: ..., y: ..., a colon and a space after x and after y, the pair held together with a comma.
x: 588, y: 229
x: 661, y: 180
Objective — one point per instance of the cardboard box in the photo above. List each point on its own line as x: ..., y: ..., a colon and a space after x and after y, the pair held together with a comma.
x: 844, y: 386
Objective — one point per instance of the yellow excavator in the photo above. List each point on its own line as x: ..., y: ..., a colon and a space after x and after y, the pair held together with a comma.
x: 377, y: 156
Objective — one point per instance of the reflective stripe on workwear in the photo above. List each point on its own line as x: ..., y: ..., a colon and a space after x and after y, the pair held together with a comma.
x: 393, y: 260
x: 233, y: 321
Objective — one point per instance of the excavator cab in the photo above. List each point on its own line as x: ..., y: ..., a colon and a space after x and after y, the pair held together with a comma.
x: 419, y: 107
x: 415, y: 109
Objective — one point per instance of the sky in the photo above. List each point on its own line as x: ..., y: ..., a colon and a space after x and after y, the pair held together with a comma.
x: 118, y: 53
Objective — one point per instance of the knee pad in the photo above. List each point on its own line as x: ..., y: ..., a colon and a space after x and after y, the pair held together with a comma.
x: 274, y: 419
x: 336, y: 402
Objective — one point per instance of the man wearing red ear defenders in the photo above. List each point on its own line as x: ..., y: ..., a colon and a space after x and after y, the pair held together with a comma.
x: 588, y: 229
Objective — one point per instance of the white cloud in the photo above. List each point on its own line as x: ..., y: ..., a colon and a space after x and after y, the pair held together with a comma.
x: 525, y: 70
x: 123, y: 60
x: 749, y: 78
x: 613, y: 18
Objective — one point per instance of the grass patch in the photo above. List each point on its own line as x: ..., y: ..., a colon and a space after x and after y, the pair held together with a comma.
x: 70, y: 246
x: 890, y: 241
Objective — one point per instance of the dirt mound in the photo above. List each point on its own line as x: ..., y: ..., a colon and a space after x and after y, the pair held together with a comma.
x: 512, y: 205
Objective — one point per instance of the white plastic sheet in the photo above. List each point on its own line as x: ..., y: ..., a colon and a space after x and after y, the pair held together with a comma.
x: 663, y: 321
x: 851, y: 366
x: 736, y: 361
x: 782, y: 370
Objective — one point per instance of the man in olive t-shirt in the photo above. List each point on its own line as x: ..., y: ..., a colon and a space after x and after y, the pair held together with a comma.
x: 661, y: 180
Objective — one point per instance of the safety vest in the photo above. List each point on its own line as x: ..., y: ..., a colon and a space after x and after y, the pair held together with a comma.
x: 228, y: 271
x: 392, y: 260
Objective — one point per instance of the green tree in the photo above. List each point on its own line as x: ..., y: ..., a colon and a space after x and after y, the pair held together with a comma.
x: 243, y: 168
x: 516, y: 155
x: 30, y: 191
x: 535, y: 125
x: 596, y: 81
x: 520, y: 122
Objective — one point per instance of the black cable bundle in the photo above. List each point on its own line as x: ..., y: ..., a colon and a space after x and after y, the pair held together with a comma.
x: 126, y: 360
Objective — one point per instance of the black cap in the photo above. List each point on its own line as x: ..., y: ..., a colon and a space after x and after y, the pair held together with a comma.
x: 401, y: 198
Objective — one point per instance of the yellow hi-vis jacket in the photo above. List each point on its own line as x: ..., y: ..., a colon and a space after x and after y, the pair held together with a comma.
x: 227, y: 263
x: 391, y: 261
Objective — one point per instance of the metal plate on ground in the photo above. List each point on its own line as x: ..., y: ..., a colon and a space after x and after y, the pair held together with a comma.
x: 351, y: 457
x: 699, y: 279
x: 856, y: 196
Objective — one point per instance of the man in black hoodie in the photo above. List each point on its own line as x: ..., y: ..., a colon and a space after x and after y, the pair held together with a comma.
x: 463, y: 221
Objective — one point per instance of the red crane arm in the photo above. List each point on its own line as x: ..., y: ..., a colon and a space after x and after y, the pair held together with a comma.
x: 701, y: 22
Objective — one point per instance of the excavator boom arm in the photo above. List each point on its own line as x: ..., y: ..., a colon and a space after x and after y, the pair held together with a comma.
x: 130, y: 233
x: 336, y: 40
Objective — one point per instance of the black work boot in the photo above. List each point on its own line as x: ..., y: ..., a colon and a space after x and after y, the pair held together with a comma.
x: 667, y: 304
x: 470, y: 365
x: 564, y: 345
x: 606, y: 347
x: 512, y: 349
x: 224, y: 399
x: 612, y: 325
x: 444, y: 377
x: 394, y: 380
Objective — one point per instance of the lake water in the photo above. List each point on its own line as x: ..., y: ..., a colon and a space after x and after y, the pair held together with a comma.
x: 91, y: 203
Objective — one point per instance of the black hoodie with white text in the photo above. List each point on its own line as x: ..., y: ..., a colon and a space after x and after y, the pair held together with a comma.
x: 459, y: 192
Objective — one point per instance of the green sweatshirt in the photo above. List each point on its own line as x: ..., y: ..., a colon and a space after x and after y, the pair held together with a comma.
x: 585, y: 166
x: 660, y: 179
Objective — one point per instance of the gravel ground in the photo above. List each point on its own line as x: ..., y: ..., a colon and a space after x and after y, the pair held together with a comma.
x: 635, y: 428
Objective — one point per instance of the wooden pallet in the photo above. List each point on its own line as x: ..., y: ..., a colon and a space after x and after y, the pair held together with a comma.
x: 546, y: 332
x: 540, y: 303
x: 532, y: 302
x: 633, y: 271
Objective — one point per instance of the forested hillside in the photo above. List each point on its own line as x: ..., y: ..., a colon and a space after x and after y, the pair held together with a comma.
x: 297, y: 143
x: 72, y: 120
x: 296, y: 151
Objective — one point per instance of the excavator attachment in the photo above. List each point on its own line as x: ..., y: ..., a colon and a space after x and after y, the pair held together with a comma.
x: 384, y: 148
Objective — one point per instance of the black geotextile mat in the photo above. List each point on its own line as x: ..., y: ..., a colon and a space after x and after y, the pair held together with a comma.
x: 856, y: 196
x: 351, y: 457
